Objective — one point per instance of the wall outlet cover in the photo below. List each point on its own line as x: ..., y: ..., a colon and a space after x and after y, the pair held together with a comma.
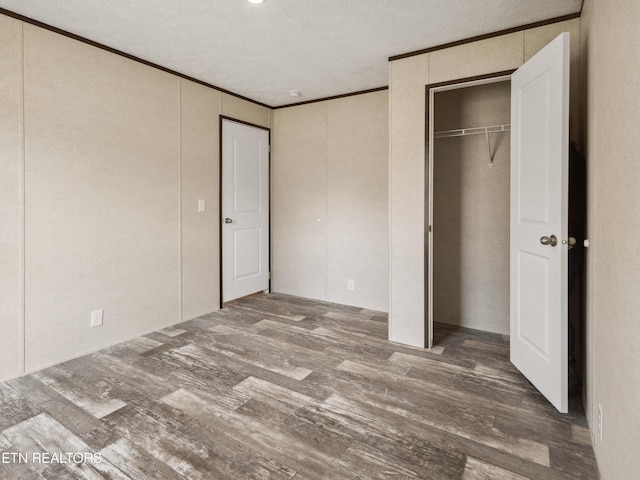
x: 96, y: 318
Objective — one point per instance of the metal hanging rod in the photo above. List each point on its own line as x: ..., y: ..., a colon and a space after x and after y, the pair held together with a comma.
x: 461, y: 132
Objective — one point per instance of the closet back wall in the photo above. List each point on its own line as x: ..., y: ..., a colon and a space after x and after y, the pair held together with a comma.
x: 471, y: 210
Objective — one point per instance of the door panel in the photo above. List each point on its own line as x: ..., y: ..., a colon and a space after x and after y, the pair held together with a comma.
x: 539, y: 196
x: 245, y: 210
x: 247, y: 241
x: 533, y: 329
x: 533, y: 202
x: 246, y: 177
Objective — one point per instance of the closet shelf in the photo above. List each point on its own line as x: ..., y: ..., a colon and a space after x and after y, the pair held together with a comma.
x: 461, y: 132
x: 475, y: 131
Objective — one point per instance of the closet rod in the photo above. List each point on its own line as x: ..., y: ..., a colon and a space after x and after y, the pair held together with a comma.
x: 461, y: 132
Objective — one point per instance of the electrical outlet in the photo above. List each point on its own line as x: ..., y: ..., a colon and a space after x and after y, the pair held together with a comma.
x: 96, y: 318
x: 202, y: 205
x: 600, y: 423
x: 351, y: 284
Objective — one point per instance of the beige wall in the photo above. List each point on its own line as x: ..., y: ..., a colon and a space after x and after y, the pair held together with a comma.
x: 329, y: 212
x: 102, y: 186
x: 611, y: 50
x: 116, y: 155
x: 199, y: 174
x: 586, y: 114
x: 471, y: 210
x: 407, y: 80
x: 357, y: 200
x: 11, y: 198
x: 239, y: 109
x: 299, y: 201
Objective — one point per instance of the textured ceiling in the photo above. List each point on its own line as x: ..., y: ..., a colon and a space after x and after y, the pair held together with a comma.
x: 320, y: 48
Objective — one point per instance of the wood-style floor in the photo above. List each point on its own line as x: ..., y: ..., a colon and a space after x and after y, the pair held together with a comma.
x: 278, y: 387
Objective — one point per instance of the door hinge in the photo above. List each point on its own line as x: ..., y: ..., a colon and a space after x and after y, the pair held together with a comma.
x: 269, y: 148
x: 269, y: 275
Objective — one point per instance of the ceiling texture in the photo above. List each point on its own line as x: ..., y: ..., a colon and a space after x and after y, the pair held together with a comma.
x: 320, y: 48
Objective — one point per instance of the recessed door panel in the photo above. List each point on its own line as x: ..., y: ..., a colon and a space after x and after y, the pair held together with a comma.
x: 247, y: 173
x: 533, y: 321
x: 246, y: 240
x: 533, y: 202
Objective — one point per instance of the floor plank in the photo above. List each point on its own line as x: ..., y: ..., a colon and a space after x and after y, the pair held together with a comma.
x: 281, y: 387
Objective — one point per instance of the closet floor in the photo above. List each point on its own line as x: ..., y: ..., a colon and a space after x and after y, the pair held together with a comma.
x: 275, y: 386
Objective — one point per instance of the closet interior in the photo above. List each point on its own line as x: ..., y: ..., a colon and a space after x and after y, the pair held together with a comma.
x: 469, y: 206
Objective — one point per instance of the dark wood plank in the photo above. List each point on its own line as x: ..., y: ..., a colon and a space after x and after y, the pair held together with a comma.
x: 280, y: 387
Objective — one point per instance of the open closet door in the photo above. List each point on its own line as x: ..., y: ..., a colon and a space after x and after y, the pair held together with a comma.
x: 539, y: 207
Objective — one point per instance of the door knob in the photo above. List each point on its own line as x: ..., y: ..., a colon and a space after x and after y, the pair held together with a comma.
x: 552, y: 240
x: 571, y: 241
x: 227, y: 220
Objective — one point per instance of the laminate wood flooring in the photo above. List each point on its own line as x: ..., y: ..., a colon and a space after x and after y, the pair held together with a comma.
x: 279, y: 387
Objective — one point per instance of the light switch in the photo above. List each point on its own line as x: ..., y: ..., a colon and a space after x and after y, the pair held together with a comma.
x: 202, y: 205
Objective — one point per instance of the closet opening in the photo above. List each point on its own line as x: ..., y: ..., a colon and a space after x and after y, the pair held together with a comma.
x: 468, y: 212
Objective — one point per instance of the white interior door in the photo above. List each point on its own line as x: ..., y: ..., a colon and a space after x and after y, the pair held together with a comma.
x: 539, y: 202
x: 245, y: 210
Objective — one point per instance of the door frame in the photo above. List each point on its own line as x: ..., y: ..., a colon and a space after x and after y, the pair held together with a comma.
x: 428, y: 179
x: 221, y: 120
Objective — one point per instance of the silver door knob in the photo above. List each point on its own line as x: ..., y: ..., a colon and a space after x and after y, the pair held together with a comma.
x: 552, y: 240
x: 227, y: 220
x: 569, y: 241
